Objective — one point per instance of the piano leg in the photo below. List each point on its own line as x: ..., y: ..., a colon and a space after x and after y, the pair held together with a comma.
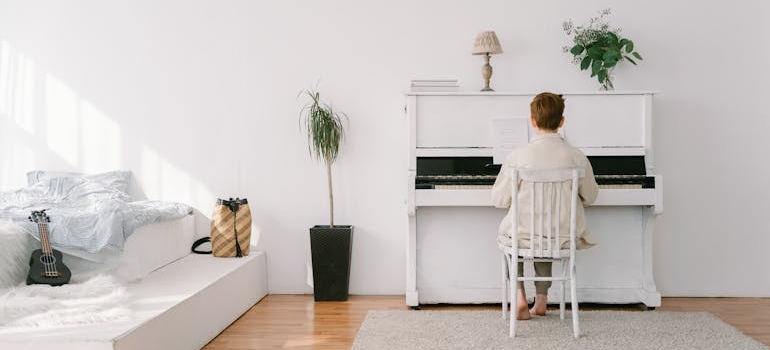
x: 651, y: 297
x: 412, y: 298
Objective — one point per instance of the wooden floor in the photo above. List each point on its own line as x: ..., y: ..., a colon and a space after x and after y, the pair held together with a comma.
x: 297, y: 322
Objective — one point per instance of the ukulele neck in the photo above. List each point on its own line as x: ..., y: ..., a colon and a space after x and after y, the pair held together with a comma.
x: 45, y: 243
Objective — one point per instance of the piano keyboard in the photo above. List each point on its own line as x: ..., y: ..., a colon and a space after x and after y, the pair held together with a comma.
x: 458, y: 177
x: 486, y: 187
x: 620, y: 186
x: 455, y: 182
x: 462, y: 187
x: 472, y: 182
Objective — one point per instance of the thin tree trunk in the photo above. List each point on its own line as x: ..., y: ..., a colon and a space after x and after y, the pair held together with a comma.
x: 331, y: 198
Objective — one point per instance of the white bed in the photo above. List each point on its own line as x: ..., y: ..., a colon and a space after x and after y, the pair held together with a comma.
x: 171, y: 299
x: 149, y: 248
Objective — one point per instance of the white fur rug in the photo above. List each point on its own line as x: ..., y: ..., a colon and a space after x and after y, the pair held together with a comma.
x: 99, y: 299
x: 16, y: 245
x: 86, y: 299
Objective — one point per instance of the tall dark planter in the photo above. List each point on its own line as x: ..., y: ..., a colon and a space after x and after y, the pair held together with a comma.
x: 331, y: 249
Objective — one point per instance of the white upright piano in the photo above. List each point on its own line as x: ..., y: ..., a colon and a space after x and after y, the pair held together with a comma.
x: 452, y: 254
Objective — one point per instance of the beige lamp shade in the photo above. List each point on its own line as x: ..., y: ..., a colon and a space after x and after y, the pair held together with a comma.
x: 487, y: 43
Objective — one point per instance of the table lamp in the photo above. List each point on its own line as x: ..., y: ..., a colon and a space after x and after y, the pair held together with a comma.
x: 487, y: 44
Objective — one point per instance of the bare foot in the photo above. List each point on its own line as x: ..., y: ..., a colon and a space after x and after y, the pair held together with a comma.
x: 541, y: 303
x: 523, y: 313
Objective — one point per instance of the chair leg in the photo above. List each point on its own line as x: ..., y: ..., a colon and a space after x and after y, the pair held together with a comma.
x: 504, y: 274
x: 562, y: 306
x: 574, y: 306
x: 513, y: 274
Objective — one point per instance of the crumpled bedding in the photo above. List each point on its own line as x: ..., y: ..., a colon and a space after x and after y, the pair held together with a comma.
x: 85, y: 215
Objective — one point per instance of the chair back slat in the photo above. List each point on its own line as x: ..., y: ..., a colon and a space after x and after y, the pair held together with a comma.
x: 573, y: 211
x: 536, y: 225
x: 558, y: 223
x: 515, y: 210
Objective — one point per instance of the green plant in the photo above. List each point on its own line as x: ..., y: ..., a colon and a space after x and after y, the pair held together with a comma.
x: 600, y: 47
x: 325, y: 132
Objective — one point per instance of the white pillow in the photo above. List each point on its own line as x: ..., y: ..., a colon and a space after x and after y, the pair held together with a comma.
x: 118, y: 179
x: 16, y: 246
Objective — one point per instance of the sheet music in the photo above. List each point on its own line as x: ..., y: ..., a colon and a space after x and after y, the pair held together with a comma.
x: 507, y: 134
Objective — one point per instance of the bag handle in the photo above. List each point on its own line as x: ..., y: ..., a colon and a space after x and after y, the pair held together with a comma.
x: 233, y: 204
x: 198, y: 243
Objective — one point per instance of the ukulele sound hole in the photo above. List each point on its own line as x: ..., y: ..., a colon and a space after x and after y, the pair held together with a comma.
x: 47, y: 259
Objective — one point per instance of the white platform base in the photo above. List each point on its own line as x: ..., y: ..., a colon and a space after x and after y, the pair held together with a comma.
x: 180, y: 306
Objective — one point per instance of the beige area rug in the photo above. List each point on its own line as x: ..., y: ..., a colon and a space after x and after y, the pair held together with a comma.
x: 430, y: 329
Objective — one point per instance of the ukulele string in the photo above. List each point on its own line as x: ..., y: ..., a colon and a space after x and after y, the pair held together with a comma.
x: 43, y: 250
x: 46, y: 258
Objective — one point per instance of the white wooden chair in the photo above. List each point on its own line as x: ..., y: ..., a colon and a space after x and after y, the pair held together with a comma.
x: 543, y: 212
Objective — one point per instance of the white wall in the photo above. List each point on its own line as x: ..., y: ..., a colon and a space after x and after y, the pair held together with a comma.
x: 199, y: 99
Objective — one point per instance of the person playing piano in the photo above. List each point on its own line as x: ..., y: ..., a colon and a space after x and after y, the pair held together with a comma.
x: 546, y: 150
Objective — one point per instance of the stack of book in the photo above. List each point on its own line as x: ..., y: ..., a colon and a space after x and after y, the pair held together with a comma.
x: 437, y: 85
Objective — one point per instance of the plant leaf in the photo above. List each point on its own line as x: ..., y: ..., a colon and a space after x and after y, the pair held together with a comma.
x: 630, y: 60
x: 602, y: 75
x: 585, y: 63
x: 596, y: 67
x: 577, y: 49
x: 630, y: 46
x: 324, y: 126
x: 637, y: 55
x: 595, y: 52
x: 611, y: 55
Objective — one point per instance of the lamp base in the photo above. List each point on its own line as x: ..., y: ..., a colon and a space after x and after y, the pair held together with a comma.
x: 486, y: 73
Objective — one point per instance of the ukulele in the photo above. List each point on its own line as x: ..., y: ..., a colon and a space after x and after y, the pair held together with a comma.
x: 45, y: 264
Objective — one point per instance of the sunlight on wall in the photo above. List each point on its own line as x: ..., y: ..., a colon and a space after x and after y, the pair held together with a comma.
x: 46, y: 124
x: 101, y: 140
x: 17, y: 74
x: 63, y: 126
x: 17, y: 158
x: 16, y: 116
x: 163, y: 180
x: 5, y: 77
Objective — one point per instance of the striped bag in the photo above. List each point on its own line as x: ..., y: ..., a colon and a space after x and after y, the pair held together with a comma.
x: 231, y: 228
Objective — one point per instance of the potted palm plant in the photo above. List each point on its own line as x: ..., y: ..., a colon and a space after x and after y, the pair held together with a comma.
x: 330, y: 245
